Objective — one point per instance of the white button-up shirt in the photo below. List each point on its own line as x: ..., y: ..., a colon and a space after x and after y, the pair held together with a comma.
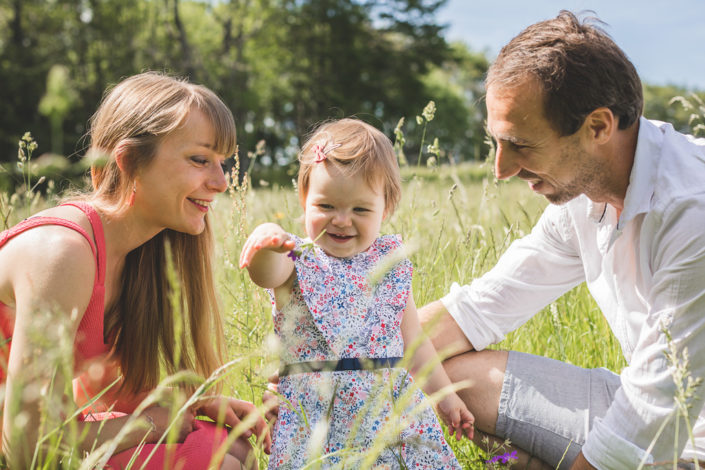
x: 645, y: 269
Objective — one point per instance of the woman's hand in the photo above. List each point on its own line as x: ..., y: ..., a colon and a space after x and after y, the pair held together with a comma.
x: 456, y: 416
x: 231, y: 412
x: 267, y: 236
x: 160, y: 418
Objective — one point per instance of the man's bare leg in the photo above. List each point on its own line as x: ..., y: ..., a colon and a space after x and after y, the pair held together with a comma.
x: 484, y: 370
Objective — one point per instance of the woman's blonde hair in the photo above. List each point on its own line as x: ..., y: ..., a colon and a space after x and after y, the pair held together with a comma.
x: 357, y: 148
x: 146, y: 329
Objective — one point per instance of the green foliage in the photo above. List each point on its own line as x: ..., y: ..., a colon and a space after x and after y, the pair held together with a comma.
x: 660, y: 104
x: 280, y: 65
x: 56, y: 103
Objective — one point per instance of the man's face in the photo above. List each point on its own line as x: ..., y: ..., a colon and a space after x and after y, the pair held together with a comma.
x: 556, y: 167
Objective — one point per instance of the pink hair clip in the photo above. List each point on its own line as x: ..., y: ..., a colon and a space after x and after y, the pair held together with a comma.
x: 320, y: 152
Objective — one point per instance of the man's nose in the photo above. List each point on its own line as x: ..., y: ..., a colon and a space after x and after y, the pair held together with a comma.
x: 505, y: 163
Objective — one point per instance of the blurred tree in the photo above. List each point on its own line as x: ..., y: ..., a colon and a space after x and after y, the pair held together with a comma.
x: 56, y: 103
x: 658, y: 105
x: 364, y: 58
x: 457, y: 87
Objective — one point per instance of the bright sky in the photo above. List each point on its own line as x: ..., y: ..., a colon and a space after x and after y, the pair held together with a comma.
x: 665, y: 39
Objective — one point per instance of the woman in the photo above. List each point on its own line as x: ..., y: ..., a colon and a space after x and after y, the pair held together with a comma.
x: 95, y: 269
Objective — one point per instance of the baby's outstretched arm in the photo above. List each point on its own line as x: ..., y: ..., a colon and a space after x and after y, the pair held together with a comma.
x: 265, y: 256
x: 451, y: 408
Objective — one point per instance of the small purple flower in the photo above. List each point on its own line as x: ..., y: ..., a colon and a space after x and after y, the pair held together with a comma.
x: 294, y: 254
x: 504, y: 458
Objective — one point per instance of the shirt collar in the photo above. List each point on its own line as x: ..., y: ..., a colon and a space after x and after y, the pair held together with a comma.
x: 642, y: 179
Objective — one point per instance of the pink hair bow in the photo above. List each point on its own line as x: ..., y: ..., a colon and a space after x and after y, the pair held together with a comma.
x: 320, y: 152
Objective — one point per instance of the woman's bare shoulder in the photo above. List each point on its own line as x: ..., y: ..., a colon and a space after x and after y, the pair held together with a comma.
x: 49, y: 261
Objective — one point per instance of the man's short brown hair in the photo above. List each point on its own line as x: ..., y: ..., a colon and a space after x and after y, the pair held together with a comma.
x: 579, y: 67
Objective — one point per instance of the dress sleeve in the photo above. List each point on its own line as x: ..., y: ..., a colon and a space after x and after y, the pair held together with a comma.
x: 532, y: 273
x: 642, y: 418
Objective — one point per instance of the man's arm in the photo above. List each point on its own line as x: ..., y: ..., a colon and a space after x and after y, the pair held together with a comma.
x: 446, y: 335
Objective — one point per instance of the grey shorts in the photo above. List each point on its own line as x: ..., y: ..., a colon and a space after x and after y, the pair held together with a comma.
x: 547, y: 407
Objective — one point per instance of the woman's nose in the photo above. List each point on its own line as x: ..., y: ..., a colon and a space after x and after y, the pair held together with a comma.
x: 216, y: 179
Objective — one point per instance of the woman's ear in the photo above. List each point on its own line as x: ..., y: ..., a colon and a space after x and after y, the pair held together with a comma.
x: 120, y: 155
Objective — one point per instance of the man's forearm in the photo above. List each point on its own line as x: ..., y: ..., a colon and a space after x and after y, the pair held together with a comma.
x: 446, y: 335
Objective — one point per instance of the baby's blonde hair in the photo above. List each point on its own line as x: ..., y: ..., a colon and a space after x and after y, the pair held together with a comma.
x: 354, y: 147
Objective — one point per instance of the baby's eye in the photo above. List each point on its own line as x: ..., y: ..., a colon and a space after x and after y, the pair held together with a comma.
x: 361, y: 209
x: 325, y: 206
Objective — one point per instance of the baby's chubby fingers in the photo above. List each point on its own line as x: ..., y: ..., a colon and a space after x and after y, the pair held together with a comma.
x: 265, y: 237
x: 467, y: 423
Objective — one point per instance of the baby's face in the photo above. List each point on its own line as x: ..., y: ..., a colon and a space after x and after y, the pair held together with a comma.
x: 346, y: 207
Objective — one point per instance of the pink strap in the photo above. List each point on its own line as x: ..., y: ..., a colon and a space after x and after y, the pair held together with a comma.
x: 39, y: 221
x: 93, y: 218
x: 97, y: 226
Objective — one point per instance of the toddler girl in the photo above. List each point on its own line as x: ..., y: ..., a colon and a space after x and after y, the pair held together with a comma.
x: 342, y: 337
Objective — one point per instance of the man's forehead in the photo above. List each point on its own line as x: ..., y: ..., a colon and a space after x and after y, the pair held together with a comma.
x: 514, y: 112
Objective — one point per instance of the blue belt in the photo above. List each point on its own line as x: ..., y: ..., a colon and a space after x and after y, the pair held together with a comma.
x: 348, y: 363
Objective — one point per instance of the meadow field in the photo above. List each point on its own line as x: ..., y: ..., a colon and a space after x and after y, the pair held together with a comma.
x: 456, y: 220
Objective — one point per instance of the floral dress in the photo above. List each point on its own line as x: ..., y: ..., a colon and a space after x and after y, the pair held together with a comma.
x: 351, y: 418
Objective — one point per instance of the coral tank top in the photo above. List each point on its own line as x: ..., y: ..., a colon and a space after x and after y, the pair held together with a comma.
x: 89, y: 338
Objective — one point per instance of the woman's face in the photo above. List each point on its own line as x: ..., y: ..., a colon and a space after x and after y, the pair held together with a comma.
x: 177, y: 187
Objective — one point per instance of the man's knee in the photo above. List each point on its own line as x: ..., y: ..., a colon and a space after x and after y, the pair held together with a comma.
x: 477, y: 368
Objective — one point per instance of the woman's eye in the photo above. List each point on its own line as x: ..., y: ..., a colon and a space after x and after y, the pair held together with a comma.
x: 199, y: 160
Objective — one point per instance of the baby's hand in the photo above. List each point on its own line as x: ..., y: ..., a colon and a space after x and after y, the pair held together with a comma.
x: 456, y: 416
x: 267, y: 236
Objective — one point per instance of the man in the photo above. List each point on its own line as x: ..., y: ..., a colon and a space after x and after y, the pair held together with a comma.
x: 627, y: 217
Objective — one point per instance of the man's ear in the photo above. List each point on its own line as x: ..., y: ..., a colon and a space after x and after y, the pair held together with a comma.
x: 600, y: 125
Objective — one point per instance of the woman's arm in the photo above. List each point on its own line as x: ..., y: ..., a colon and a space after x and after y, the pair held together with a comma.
x: 265, y: 256
x: 51, y: 272
x: 451, y: 408
x: 51, y: 278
